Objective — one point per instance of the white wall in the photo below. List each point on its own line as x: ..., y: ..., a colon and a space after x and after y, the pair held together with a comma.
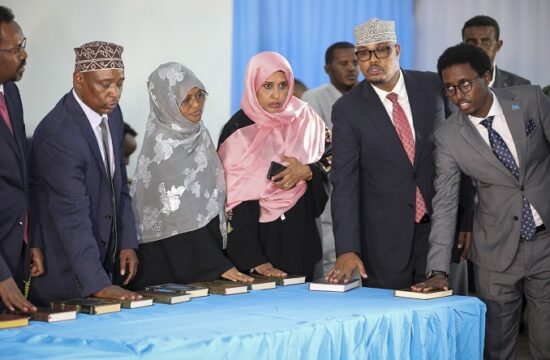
x: 195, y: 33
x: 523, y: 28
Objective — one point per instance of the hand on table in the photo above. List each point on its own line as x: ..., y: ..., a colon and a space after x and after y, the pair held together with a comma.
x: 344, y: 267
x: 267, y: 269
x: 436, y: 282
x: 12, y: 298
x: 116, y: 293
x: 235, y: 275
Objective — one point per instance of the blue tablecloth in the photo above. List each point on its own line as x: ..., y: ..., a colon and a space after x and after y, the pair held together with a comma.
x: 285, y: 323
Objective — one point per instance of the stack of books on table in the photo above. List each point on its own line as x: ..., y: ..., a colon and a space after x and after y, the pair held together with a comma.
x: 91, y: 306
x: 47, y: 314
x: 425, y: 295
x: 323, y: 285
x: 288, y: 280
x: 223, y: 287
x: 182, y: 289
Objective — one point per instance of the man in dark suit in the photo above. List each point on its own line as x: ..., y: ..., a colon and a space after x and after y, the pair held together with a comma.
x: 15, y: 249
x: 484, y: 32
x: 501, y: 139
x: 383, y: 168
x: 78, y: 176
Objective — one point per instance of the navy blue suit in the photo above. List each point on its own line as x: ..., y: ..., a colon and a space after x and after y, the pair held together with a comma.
x: 14, y: 201
x: 373, y: 200
x: 69, y: 181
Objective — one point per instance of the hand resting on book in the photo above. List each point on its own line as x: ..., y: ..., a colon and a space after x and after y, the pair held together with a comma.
x: 436, y: 282
x: 267, y: 269
x: 235, y: 275
x: 344, y: 267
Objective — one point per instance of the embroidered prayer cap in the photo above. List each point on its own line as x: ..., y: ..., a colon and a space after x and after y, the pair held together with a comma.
x: 98, y: 55
x: 374, y: 31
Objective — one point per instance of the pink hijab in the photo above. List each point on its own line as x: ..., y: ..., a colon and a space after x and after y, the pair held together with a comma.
x: 246, y: 154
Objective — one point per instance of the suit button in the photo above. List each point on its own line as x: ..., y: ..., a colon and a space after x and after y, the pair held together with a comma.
x: 516, y: 218
x: 108, y: 217
x: 522, y: 188
x: 20, y: 223
x: 415, y: 175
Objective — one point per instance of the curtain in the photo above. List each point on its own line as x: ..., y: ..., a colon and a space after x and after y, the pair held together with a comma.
x: 301, y: 30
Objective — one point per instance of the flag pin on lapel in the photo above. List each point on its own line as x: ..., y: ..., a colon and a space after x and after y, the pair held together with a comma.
x: 515, y: 107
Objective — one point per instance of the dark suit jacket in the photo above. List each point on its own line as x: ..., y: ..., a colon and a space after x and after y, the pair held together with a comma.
x: 13, y: 184
x: 374, y: 183
x: 505, y: 79
x: 69, y: 181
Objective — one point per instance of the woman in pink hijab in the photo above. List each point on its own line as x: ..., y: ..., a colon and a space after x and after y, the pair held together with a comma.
x: 273, y: 229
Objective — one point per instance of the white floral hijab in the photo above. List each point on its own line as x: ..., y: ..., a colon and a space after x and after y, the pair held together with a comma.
x: 179, y: 182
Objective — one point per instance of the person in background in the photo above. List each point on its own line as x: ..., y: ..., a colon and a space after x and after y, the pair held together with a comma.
x: 501, y: 139
x: 341, y: 66
x: 483, y: 31
x: 299, y: 88
x: 17, y: 247
x: 273, y: 213
x: 78, y: 178
x: 178, y: 189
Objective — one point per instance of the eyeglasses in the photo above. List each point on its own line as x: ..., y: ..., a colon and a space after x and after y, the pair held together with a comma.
x: 380, y: 53
x: 199, y: 97
x: 465, y: 86
x: 18, y: 49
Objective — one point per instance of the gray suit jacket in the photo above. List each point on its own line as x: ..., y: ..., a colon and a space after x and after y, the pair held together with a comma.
x: 497, y: 221
x: 504, y: 79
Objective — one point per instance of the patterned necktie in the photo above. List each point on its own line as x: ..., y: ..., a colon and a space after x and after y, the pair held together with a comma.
x: 113, y: 243
x: 404, y: 132
x: 502, y: 152
x: 4, y: 112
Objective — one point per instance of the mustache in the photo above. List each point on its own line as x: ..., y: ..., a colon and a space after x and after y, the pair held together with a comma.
x: 23, y: 63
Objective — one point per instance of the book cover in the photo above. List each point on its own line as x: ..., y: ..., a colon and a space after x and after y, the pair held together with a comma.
x: 164, y: 296
x: 133, y: 304
x: 432, y: 294
x: 223, y: 287
x: 289, y: 280
x: 91, y: 306
x: 193, y: 291
x: 48, y: 314
x: 8, y: 321
x: 323, y: 285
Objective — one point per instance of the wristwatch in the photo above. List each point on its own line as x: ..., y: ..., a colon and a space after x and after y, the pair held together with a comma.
x: 438, y: 272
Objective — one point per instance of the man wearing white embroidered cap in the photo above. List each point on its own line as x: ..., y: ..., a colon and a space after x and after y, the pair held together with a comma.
x: 383, y: 169
x: 79, y: 178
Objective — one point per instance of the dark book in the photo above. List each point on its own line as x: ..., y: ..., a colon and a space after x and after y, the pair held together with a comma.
x: 91, y: 306
x: 432, y: 294
x: 223, y: 287
x: 323, y: 285
x: 8, y: 321
x: 288, y: 280
x: 163, y: 296
x: 193, y: 291
x: 48, y: 314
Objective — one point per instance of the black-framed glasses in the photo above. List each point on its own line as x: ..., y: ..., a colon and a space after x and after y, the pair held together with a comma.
x: 465, y: 86
x: 18, y: 49
x: 199, y: 97
x: 380, y: 53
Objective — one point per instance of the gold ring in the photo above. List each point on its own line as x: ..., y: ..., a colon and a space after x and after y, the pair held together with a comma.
x: 336, y: 271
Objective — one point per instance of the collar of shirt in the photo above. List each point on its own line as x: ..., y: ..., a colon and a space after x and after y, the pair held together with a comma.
x: 495, y: 111
x: 2, y: 88
x: 93, y: 117
x: 399, y: 89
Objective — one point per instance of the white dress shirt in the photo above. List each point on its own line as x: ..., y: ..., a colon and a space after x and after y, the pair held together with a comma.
x: 402, y: 99
x: 95, y: 122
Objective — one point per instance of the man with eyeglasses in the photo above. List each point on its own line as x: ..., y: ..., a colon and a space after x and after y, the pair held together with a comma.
x: 17, y: 248
x: 383, y: 168
x: 501, y: 139
x: 483, y: 31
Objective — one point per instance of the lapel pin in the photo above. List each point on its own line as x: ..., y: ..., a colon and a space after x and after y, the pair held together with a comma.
x: 515, y: 107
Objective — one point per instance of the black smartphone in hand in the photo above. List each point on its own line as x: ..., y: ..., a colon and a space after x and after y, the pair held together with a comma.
x: 274, y: 169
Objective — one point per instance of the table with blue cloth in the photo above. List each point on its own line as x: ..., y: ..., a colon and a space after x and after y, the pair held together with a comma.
x: 284, y: 323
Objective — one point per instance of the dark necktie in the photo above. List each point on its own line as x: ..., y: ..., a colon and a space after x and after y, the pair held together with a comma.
x: 404, y: 132
x: 113, y: 243
x: 502, y: 152
x: 4, y: 112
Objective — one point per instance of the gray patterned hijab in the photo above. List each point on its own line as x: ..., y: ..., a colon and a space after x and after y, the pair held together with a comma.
x: 179, y: 182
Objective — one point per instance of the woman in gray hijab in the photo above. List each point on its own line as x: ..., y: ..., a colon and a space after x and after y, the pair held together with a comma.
x: 178, y: 188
